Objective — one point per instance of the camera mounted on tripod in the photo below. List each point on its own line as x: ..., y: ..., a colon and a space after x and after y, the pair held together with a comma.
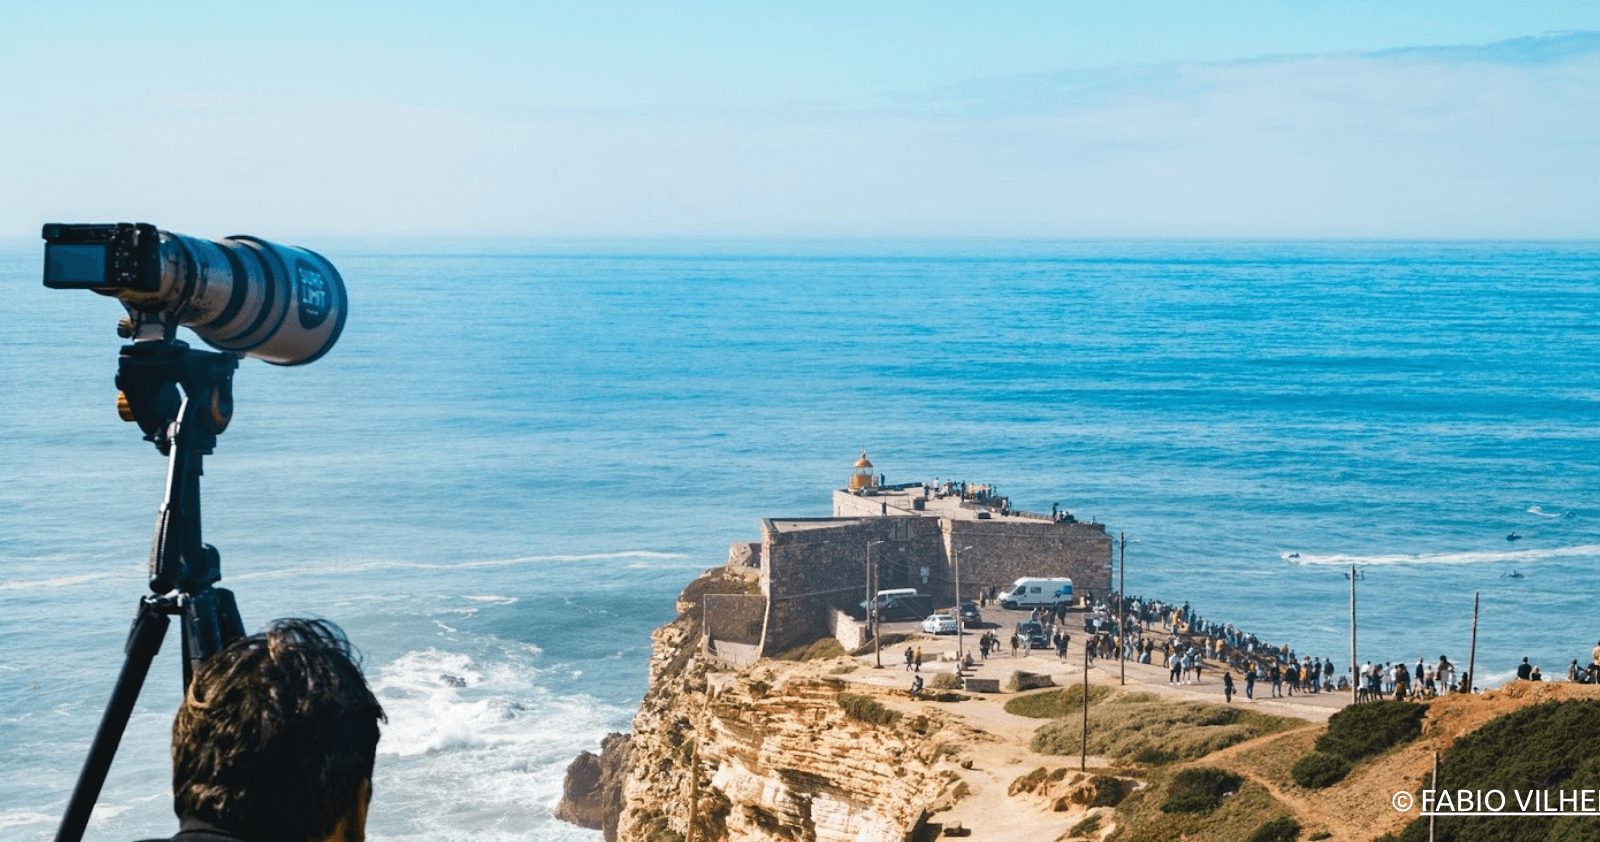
x: 245, y: 297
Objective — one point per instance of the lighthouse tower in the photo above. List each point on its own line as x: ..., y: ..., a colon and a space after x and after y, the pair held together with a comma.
x: 864, y: 477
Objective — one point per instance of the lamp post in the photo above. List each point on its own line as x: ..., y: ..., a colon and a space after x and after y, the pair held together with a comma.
x: 872, y: 608
x: 957, y: 556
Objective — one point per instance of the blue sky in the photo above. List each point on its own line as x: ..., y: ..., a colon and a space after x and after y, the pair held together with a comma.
x: 1282, y: 119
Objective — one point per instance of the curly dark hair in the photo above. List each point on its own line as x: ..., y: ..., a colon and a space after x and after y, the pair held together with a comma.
x: 277, y: 734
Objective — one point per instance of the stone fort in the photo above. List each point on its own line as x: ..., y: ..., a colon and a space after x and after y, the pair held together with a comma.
x: 814, y: 572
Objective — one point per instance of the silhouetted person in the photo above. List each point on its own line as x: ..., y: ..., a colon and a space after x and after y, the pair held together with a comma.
x: 275, y: 740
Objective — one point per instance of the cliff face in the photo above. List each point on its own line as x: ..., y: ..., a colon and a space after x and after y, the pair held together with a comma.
x: 748, y: 757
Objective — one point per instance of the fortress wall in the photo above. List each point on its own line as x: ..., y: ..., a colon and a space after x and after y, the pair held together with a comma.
x: 1003, y: 552
x: 735, y: 618
x: 807, y: 573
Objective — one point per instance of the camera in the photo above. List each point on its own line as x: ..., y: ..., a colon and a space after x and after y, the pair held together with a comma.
x: 242, y: 295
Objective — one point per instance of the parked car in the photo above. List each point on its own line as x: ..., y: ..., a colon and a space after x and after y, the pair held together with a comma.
x: 939, y: 624
x: 970, y: 616
x: 1033, y: 633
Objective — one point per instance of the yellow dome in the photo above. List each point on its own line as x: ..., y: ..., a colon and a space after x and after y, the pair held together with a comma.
x: 862, y: 462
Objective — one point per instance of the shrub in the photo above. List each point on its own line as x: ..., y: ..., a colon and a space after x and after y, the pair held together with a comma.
x: 1364, y: 730
x: 1199, y: 790
x: 867, y: 709
x: 1102, y: 791
x: 1054, y: 704
x: 1085, y: 827
x: 1318, y: 770
x: 1281, y: 829
x: 827, y: 647
x: 1554, y: 746
x: 944, y: 681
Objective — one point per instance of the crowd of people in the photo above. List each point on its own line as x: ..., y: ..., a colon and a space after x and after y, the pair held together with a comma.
x: 1194, y: 645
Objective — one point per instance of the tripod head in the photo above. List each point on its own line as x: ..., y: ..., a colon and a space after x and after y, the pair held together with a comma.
x: 182, y: 399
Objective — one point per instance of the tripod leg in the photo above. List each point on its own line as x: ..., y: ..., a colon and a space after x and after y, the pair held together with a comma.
x: 144, y: 641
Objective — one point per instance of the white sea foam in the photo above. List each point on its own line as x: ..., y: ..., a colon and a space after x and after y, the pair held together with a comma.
x: 488, y: 751
x: 59, y: 581
x: 1537, y: 510
x: 18, y: 818
x: 1521, y: 556
x: 497, y: 600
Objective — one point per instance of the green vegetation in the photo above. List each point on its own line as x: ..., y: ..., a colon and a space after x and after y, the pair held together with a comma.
x: 827, y: 647
x: 1054, y: 704
x: 944, y: 681
x: 1086, y: 827
x: 1551, y: 747
x: 867, y: 709
x: 1281, y: 829
x: 1155, y: 732
x: 1367, y: 729
x: 1199, y: 789
x: 1319, y: 771
x: 1105, y: 791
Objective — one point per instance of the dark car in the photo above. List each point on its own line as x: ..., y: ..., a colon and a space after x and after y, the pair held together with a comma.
x: 969, y: 615
x: 1033, y: 633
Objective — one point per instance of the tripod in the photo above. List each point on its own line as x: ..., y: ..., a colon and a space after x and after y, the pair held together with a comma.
x: 182, y: 567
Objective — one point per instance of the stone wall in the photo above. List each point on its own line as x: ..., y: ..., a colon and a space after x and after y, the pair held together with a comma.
x: 1004, y: 551
x: 736, y: 618
x: 849, y: 631
x: 811, y: 567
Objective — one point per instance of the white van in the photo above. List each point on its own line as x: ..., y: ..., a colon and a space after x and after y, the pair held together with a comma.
x: 899, y: 603
x: 1029, y: 592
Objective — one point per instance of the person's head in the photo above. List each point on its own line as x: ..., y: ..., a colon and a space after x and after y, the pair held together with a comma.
x: 277, y: 735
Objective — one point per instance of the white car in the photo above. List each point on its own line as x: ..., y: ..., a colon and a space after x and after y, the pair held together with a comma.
x: 939, y: 624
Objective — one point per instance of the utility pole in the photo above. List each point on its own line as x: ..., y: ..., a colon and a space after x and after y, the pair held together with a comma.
x: 1472, y: 654
x: 874, y: 618
x: 957, y: 555
x: 1355, y: 677
x: 1083, y: 759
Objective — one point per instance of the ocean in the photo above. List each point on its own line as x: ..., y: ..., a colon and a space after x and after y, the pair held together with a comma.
x: 519, y: 452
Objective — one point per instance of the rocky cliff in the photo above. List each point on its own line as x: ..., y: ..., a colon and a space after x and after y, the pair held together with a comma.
x: 760, y: 754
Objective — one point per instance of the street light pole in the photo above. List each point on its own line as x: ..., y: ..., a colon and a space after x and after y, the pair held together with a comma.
x: 957, y: 555
x: 874, y: 619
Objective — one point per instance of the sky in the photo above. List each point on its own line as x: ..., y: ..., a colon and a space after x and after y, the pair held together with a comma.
x: 1304, y: 119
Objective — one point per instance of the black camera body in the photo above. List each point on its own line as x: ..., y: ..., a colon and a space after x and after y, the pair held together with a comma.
x: 243, y: 295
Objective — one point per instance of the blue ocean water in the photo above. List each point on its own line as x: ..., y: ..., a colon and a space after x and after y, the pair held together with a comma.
x: 519, y: 453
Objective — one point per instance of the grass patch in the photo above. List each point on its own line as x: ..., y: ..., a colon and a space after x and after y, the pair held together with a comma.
x: 1155, y: 733
x: 1281, y: 829
x: 867, y: 709
x: 1238, y: 816
x: 1055, y: 704
x: 1200, y: 789
x: 827, y: 647
x: 1086, y: 827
